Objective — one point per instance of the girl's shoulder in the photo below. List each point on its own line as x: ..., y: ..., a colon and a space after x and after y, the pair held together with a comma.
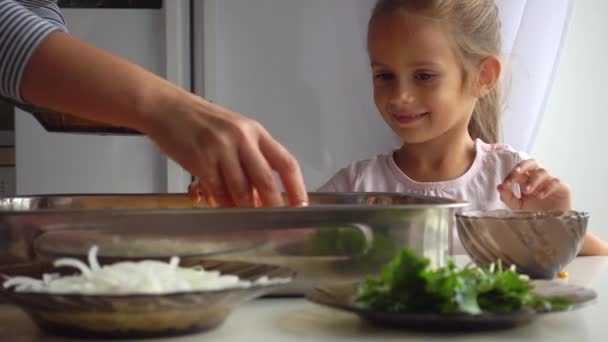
x: 501, y: 152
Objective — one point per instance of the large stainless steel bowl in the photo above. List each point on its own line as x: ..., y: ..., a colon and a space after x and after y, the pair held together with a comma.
x: 538, y: 243
x: 339, y: 237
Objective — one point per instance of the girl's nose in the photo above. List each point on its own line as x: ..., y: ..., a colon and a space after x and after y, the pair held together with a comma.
x: 402, y: 95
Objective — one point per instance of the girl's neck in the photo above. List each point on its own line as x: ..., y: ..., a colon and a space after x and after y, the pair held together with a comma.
x: 441, y: 159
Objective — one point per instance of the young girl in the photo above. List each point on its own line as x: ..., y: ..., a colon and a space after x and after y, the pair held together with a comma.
x: 435, y: 74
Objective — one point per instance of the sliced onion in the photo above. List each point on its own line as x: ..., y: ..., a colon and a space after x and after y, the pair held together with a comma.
x: 144, y: 277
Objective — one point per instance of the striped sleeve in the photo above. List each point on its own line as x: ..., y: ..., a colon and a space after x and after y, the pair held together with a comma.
x: 23, y: 27
x: 46, y: 9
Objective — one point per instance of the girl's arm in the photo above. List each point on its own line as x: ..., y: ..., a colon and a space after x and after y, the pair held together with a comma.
x: 593, y: 245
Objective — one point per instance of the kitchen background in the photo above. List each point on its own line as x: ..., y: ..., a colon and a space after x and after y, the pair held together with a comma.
x: 307, y: 58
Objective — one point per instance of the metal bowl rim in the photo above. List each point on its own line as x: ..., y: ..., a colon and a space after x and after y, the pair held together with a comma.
x: 565, y: 215
x: 440, y: 203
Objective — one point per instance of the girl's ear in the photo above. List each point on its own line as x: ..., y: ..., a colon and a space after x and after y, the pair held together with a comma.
x: 489, y: 74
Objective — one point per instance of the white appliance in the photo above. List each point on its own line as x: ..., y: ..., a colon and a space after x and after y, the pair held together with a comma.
x: 298, y: 67
x: 158, y: 40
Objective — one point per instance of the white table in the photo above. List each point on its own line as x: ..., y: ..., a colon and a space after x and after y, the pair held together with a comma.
x: 287, y: 320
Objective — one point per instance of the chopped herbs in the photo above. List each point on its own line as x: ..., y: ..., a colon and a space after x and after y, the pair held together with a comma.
x: 406, y: 284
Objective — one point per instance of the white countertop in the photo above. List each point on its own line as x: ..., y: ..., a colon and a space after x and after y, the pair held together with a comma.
x: 287, y: 320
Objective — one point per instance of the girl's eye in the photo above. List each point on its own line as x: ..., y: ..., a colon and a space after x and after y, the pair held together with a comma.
x: 384, y: 76
x: 424, y: 76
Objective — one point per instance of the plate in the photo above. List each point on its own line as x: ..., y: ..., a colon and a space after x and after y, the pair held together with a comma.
x: 342, y: 297
x: 139, y: 315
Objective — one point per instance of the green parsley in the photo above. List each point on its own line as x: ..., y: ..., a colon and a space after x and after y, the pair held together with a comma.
x: 406, y: 284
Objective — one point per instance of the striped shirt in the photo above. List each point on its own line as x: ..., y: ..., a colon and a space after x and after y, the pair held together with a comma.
x: 24, y: 24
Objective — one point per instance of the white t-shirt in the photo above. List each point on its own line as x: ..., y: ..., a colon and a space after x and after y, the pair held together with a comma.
x: 477, y: 186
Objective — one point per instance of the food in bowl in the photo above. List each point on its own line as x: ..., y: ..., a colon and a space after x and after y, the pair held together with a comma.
x: 142, y: 277
x: 410, y: 295
x: 97, y: 303
x: 407, y: 285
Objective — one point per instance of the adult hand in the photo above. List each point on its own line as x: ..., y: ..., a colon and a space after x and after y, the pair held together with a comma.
x: 232, y: 156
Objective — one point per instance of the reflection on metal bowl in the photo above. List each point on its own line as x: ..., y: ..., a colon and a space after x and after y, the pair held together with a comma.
x: 74, y: 243
x: 329, y: 248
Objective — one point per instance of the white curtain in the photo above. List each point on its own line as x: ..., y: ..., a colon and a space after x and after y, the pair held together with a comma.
x: 533, y: 35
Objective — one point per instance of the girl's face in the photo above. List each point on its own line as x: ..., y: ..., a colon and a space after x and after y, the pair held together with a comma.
x: 418, y: 80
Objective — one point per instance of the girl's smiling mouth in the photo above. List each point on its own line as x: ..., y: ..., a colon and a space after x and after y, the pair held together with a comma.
x: 408, y: 118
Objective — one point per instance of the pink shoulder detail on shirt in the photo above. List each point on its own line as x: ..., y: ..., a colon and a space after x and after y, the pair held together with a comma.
x: 494, y: 147
x: 503, y: 154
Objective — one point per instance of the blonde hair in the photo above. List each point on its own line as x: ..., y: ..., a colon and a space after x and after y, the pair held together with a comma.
x: 475, y: 26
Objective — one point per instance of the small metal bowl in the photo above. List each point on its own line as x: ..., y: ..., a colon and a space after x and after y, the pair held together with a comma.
x: 539, y: 243
x: 139, y: 315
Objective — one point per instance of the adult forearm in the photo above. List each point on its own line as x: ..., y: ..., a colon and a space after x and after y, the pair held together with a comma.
x: 233, y: 156
x: 71, y: 76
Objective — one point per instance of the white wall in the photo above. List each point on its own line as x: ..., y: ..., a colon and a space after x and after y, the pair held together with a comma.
x: 573, y: 135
